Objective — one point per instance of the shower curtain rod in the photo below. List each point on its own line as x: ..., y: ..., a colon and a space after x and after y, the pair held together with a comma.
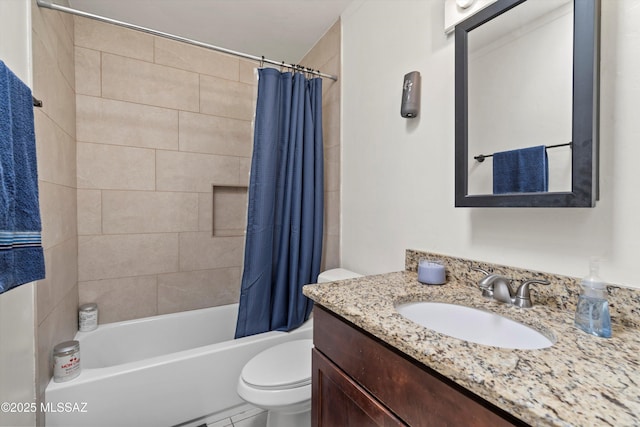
x: 53, y: 6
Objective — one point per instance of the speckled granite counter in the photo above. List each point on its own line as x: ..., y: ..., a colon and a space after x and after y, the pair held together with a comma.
x: 580, y: 381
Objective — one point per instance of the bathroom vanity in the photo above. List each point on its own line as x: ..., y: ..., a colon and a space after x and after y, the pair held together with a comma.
x: 372, y: 366
x: 377, y: 385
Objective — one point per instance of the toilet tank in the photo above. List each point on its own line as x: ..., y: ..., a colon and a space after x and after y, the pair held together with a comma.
x: 336, y: 274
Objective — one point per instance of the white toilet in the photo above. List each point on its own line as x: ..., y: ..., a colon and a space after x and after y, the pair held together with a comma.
x: 279, y: 378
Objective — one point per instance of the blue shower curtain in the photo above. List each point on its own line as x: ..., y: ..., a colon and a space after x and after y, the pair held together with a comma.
x: 283, y: 245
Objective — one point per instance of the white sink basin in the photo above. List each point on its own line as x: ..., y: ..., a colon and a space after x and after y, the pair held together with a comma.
x: 473, y: 325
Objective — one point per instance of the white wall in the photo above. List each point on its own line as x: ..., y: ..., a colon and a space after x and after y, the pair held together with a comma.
x: 17, y: 313
x: 398, y: 174
x: 15, y: 37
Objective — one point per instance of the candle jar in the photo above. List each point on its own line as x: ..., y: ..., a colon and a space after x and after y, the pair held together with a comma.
x: 431, y: 272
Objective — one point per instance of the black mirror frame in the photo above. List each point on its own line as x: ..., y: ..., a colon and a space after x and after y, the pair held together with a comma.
x: 585, y: 121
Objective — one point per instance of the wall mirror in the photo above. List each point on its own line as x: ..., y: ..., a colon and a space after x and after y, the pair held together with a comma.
x: 526, y: 82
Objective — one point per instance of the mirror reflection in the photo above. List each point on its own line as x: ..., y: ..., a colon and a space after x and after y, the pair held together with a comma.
x: 520, y: 74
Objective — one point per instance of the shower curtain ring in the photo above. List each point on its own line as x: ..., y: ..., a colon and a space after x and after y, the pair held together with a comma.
x: 262, y: 62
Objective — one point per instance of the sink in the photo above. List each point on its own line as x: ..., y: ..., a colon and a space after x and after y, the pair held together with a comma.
x: 474, y: 325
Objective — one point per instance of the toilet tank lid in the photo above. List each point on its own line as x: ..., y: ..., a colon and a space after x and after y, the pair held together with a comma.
x: 336, y: 274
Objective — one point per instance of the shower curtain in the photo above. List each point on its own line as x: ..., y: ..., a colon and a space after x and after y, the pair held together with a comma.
x: 283, y: 244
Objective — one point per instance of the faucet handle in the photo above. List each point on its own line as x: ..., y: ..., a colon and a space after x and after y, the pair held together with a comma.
x: 481, y: 270
x: 523, y: 294
x: 487, y: 292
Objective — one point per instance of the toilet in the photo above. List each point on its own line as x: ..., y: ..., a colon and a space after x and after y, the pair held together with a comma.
x: 279, y: 378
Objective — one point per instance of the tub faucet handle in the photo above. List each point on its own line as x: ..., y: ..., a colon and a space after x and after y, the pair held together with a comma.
x: 523, y: 293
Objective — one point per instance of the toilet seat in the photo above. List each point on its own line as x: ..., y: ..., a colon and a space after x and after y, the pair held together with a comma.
x: 281, y: 367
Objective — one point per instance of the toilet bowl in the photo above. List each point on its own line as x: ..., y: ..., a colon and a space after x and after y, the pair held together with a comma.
x: 279, y: 378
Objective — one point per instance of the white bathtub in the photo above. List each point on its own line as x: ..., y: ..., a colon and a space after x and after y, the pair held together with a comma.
x: 159, y: 371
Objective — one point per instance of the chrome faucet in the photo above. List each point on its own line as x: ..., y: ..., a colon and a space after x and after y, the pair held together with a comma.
x: 498, y: 287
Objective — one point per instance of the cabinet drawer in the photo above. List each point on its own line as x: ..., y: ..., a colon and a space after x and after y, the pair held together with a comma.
x: 418, y: 396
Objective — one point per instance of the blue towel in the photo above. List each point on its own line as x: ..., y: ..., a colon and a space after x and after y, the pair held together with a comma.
x: 521, y: 171
x: 21, y: 256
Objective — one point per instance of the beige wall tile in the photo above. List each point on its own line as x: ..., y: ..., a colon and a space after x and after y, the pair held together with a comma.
x: 60, y: 325
x: 126, y: 255
x: 89, y: 212
x: 245, y: 171
x: 88, y: 74
x: 196, y: 59
x: 61, y: 264
x: 248, y: 72
x: 331, y: 122
x: 203, y: 133
x: 53, y: 83
x: 198, y: 289
x: 65, y: 52
x: 326, y: 57
x: 194, y: 172
x: 49, y: 27
x: 332, y: 212
x: 225, y: 98
x: 148, y: 212
x: 205, y: 211
x: 332, y: 168
x: 67, y: 21
x: 58, y: 213
x: 330, y: 252
x: 56, y: 152
x: 331, y: 67
x: 132, y: 80
x: 41, y: 29
x: 50, y: 86
x: 124, y: 123
x: 113, y: 39
x: 229, y: 211
x: 200, y: 251
x: 121, y: 299
x: 324, y: 49
x: 115, y: 168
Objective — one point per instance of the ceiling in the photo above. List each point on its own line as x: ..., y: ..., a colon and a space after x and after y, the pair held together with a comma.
x: 281, y: 30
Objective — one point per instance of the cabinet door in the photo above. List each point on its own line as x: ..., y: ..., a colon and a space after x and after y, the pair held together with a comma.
x: 338, y: 401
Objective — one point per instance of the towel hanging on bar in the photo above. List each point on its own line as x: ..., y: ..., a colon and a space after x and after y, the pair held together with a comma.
x: 21, y: 253
x: 521, y: 171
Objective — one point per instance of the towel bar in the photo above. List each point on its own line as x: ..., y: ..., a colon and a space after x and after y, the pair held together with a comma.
x: 480, y: 158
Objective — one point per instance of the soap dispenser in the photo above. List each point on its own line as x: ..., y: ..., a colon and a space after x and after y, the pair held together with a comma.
x: 592, y: 311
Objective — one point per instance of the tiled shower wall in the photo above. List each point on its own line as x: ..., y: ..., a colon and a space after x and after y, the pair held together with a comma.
x: 325, y: 56
x: 158, y: 124
x: 55, y: 126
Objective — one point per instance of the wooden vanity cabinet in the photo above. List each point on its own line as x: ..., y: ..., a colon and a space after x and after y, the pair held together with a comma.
x: 360, y: 381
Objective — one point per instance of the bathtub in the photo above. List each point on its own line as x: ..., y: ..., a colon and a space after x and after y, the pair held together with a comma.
x: 159, y: 371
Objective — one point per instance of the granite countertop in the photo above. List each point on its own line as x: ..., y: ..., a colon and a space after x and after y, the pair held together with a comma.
x: 581, y: 380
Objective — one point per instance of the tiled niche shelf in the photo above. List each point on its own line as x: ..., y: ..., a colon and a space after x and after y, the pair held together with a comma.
x: 229, y: 210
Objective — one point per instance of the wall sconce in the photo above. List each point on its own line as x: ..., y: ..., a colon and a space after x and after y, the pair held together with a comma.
x: 456, y: 11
